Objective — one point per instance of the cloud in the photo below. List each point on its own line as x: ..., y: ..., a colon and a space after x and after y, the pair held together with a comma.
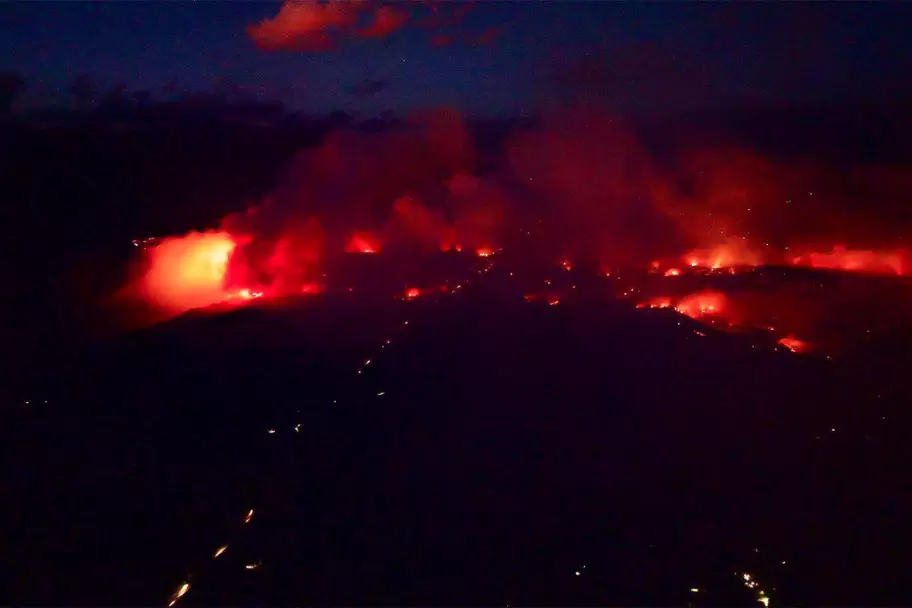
x: 368, y: 87
x: 315, y: 26
x: 386, y: 20
x: 324, y: 25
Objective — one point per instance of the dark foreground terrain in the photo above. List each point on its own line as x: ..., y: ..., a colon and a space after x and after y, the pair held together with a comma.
x: 495, y: 452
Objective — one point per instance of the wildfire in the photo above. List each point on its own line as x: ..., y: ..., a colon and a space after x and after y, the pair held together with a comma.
x: 672, y: 272
x: 731, y: 253
x: 189, y: 272
x: 794, y: 344
x: 695, y: 305
x: 701, y: 303
x: 656, y: 303
x: 484, y: 252
x: 412, y: 292
x: 311, y: 288
x: 855, y: 260
x: 362, y: 242
x: 247, y: 294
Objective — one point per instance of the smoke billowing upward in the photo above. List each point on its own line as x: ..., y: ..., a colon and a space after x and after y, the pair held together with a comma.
x: 582, y: 184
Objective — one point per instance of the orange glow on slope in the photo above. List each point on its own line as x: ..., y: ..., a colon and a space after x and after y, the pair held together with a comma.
x: 362, y: 242
x: 247, y: 294
x: 189, y: 271
x: 794, y: 344
x: 701, y: 303
x: 855, y: 260
x: 733, y: 253
x: 447, y: 245
x: 484, y: 252
x: 656, y: 303
x: 672, y: 272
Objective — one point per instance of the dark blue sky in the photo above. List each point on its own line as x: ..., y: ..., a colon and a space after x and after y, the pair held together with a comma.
x: 628, y: 55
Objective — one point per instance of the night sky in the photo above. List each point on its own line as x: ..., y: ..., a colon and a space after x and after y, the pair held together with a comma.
x: 484, y: 58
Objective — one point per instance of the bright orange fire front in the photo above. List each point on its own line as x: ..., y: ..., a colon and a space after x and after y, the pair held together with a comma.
x: 189, y: 271
x: 701, y: 303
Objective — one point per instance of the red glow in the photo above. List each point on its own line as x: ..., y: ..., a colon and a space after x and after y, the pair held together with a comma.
x: 484, y: 252
x: 701, y: 303
x: 794, y: 344
x: 567, y: 265
x: 855, y: 260
x: 362, y: 242
x: 247, y: 294
x: 672, y: 272
x: 412, y: 293
x: 312, y: 288
x: 657, y: 303
x: 733, y: 253
x: 189, y: 271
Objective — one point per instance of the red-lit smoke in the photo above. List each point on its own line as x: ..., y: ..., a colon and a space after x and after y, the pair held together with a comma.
x: 579, y: 186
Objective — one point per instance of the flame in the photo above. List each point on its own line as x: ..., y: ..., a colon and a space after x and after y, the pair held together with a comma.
x: 189, y: 271
x: 657, y: 303
x: 695, y: 305
x: 412, y: 292
x: 181, y: 592
x: 855, y: 260
x: 484, y: 252
x: 794, y: 344
x: 672, y: 272
x: 731, y: 253
x: 247, y: 294
x: 362, y: 242
x: 701, y: 303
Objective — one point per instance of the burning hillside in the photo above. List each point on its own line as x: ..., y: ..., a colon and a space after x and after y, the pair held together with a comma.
x: 578, y: 188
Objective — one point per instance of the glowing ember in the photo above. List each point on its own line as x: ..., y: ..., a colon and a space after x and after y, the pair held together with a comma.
x: 188, y: 272
x: 412, y: 292
x: 484, y: 252
x: 567, y: 265
x: 220, y: 550
x: 362, y: 242
x: 672, y: 272
x: 181, y: 592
